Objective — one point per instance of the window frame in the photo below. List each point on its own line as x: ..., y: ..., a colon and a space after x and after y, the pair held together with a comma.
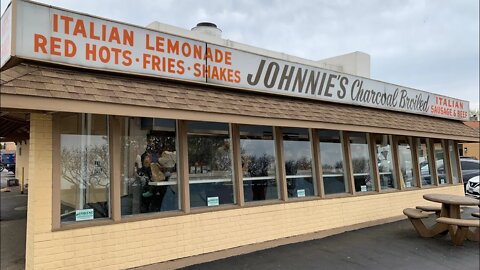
x: 56, y: 178
x: 114, y: 135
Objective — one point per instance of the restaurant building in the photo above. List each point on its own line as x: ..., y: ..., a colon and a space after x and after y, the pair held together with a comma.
x: 145, y: 145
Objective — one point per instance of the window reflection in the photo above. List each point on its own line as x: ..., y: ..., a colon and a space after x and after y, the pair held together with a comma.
x: 298, y: 162
x: 210, y: 165
x: 362, y: 173
x: 257, y: 150
x: 331, y: 155
x: 85, y: 167
x: 149, y: 173
x: 383, y: 151
x: 405, y: 156
x: 424, y: 161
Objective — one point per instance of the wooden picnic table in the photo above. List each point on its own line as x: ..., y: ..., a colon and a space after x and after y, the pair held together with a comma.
x: 450, y: 209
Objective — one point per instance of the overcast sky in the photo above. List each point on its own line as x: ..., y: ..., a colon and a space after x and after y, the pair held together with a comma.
x: 432, y: 45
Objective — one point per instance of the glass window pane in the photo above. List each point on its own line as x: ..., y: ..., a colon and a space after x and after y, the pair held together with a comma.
x: 383, y: 150
x: 362, y: 171
x: 257, y: 148
x: 85, y: 167
x: 424, y: 161
x: 298, y: 162
x: 331, y: 155
x: 149, y: 173
x: 439, y: 156
x: 405, y: 156
x: 453, y: 162
x: 210, y: 165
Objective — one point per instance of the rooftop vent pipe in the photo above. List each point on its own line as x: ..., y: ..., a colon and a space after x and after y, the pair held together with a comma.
x: 208, y: 28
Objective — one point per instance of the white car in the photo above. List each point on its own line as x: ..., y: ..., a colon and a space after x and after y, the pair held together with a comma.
x: 473, y: 186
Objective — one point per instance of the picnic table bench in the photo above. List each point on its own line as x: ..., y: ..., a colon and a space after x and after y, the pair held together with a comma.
x: 449, y: 218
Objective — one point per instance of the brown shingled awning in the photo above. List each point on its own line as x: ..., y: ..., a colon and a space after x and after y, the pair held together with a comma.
x: 36, y: 87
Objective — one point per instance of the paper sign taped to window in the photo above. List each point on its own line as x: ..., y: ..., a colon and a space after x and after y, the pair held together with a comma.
x: 363, y: 188
x: 301, y: 193
x: 83, y: 214
x: 212, y: 201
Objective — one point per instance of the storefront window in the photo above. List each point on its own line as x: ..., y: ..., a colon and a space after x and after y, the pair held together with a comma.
x: 362, y: 170
x: 331, y: 155
x: 405, y: 158
x: 453, y: 162
x: 298, y: 162
x: 257, y: 148
x: 149, y: 172
x: 424, y: 161
x: 85, y: 167
x: 383, y: 151
x: 210, y: 164
x: 439, y: 156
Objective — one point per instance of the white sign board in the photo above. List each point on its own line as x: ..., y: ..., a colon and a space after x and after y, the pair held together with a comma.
x: 6, y: 36
x: 49, y: 34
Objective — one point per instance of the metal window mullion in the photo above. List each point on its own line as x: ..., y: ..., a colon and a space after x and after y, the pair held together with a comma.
x: 446, y: 161
x: 114, y: 134
x: 414, y: 146
x: 317, y: 166
x: 396, y: 161
x: 373, y: 160
x: 280, y: 163
x: 348, y: 162
x: 183, y: 169
x: 459, y: 165
x: 56, y: 172
x: 237, y: 164
x: 432, y: 161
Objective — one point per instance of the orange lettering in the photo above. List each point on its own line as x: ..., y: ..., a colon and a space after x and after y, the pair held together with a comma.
x: 147, y: 44
x: 159, y: 43
x: 104, y: 54
x: 55, y: 23
x: 114, y: 35
x: 40, y: 43
x: 209, y: 54
x: 197, y: 51
x: 116, y: 54
x: 127, y: 37
x: 70, y: 48
x: 79, y: 29
x: 92, y: 32
x: 128, y: 60
x: 66, y: 23
x: 228, y: 58
x: 54, y: 46
x: 91, y: 51
x: 172, y: 47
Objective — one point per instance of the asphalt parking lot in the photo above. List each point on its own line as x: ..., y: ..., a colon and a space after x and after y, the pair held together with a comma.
x: 388, y: 246
x: 13, y: 219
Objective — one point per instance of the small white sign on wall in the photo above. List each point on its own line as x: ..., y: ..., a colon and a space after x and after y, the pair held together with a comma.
x: 84, y: 214
x: 301, y: 193
x: 363, y: 188
x: 213, y: 201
